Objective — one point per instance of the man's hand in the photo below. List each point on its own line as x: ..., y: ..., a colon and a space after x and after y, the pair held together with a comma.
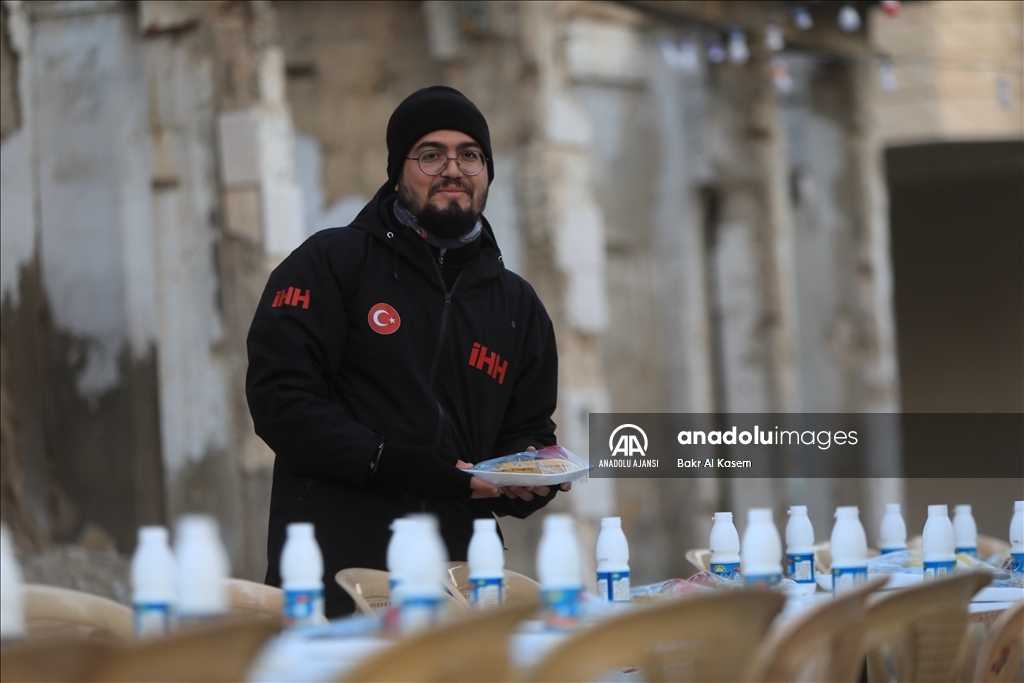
x: 480, y: 488
x: 524, y: 492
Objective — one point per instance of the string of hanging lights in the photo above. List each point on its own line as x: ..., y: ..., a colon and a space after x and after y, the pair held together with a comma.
x: 731, y: 46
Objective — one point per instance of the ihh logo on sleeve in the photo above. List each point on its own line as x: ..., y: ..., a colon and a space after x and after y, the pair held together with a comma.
x: 628, y: 442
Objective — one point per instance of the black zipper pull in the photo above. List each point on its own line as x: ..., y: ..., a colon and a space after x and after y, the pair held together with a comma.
x: 440, y: 262
x: 448, y: 300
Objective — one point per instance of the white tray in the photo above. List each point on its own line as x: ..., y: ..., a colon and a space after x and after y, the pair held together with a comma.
x: 515, y: 479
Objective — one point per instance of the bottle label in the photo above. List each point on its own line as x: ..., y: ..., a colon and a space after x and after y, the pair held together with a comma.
x: 800, y: 567
x: 419, y: 613
x: 303, y: 607
x: 848, y: 577
x: 968, y: 550
x: 934, y: 570
x: 727, y: 570
x: 152, y: 619
x: 613, y: 586
x: 486, y: 593
x: 1016, y: 562
x: 562, y: 608
x: 894, y: 549
x: 762, y: 580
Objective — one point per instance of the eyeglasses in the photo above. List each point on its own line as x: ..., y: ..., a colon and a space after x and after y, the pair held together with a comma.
x: 431, y: 162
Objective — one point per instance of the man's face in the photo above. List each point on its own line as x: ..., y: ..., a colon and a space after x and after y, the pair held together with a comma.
x: 447, y: 204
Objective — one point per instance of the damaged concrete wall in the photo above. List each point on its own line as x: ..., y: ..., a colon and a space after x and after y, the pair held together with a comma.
x: 132, y: 260
x: 766, y: 302
x: 77, y: 279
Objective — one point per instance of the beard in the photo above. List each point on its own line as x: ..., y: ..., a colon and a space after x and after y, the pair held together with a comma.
x: 450, y: 222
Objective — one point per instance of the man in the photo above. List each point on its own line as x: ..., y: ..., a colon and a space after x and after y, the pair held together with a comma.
x: 388, y: 356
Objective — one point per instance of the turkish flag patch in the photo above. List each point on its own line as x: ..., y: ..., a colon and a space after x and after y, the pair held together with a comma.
x: 383, y: 319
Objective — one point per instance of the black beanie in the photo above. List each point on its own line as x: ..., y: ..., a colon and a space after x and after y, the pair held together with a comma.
x: 435, y: 108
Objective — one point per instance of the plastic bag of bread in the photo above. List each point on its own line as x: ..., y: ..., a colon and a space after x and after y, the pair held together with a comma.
x: 545, y: 467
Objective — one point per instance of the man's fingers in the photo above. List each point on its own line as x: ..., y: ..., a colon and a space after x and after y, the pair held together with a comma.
x: 567, y: 486
x: 464, y: 465
x: 483, y: 489
x: 539, y: 490
x: 519, y: 492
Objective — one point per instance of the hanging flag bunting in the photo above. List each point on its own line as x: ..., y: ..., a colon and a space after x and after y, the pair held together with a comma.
x: 891, y: 8
x: 681, y: 56
x: 739, y: 53
x: 689, y: 57
x: 780, y: 75
x: 802, y: 19
x: 670, y: 53
x: 886, y: 75
x: 715, y: 51
x: 773, y: 39
x: 848, y: 19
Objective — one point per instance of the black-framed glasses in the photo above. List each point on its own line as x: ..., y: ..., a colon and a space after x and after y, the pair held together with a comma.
x: 470, y: 162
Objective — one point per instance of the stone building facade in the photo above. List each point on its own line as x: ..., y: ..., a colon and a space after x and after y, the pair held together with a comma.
x: 702, y: 240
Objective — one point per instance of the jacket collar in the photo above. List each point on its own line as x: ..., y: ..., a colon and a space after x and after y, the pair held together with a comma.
x: 378, y: 219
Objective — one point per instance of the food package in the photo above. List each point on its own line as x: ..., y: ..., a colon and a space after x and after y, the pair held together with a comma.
x: 545, y: 467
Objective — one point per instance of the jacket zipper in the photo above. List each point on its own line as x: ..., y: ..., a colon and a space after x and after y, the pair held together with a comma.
x: 440, y: 343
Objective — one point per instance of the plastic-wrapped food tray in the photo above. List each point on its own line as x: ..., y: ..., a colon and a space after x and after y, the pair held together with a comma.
x: 545, y: 467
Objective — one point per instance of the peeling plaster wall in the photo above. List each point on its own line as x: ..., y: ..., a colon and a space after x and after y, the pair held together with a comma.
x: 194, y: 388
x: 93, y: 149
x: 78, y: 286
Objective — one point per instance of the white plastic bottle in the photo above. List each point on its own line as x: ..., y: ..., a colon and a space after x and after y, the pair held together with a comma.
x: 725, y: 547
x: 203, y: 567
x: 612, y: 561
x: 1017, y: 538
x: 800, y: 546
x: 939, y: 543
x: 154, y: 594
x: 12, y: 599
x: 849, y: 545
x: 893, y: 530
x: 762, y: 550
x: 965, y: 530
x: 559, y: 568
x: 486, y: 558
x: 400, y: 530
x: 421, y: 588
x: 302, y: 577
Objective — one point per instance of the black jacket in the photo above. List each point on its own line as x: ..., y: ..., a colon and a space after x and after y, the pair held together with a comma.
x: 324, y: 386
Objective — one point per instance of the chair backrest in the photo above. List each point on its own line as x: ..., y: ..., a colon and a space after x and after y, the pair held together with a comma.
x: 61, y: 613
x: 989, y: 546
x: 370, y: 589
x: 1002, y: 653
x: 251, y: 600
x: 700, y: 558
x: 706, y: 637
x: 917, y: 634
x: 46, y: 661
x: 823, y: 556
x: 825, y: 643
x: 221, y: 651
x: 471, y: 648
x: 518, y: 588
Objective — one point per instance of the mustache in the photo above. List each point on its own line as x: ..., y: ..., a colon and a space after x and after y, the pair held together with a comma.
x: 452, y: 182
